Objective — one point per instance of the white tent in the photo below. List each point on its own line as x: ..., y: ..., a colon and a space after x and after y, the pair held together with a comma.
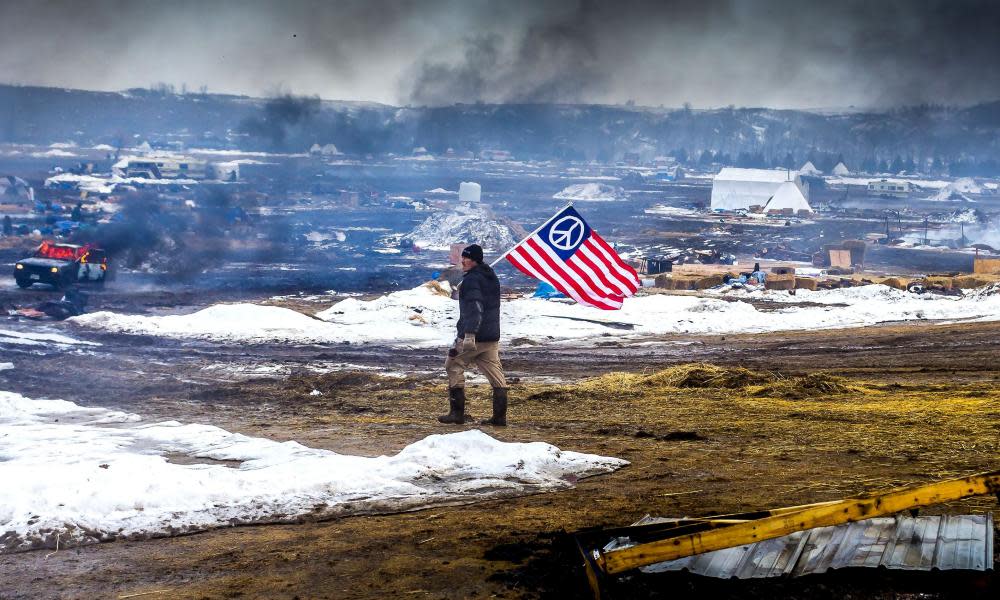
x: 809, y: 169
x: 324, y: 150
x: 12, y: 187
x: 788, y: 196
x: 841, y: 170
x: 735, y: 188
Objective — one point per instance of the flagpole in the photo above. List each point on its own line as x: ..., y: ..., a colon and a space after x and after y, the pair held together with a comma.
x: 537, y: 229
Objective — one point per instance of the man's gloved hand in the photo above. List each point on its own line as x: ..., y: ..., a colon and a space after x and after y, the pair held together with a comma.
x: 469, y: 343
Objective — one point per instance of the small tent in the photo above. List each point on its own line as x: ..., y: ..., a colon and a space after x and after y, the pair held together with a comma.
x: 788, y: 196
x: 841, y: 170
x: 809, y: 169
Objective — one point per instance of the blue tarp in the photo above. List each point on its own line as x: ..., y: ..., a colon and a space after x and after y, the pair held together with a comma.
x: 545, y: 290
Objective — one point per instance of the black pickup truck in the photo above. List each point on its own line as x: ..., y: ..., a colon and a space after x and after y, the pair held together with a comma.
x: 62, y: 265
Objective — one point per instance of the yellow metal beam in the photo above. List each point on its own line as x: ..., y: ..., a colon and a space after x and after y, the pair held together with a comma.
x: 786, y: 521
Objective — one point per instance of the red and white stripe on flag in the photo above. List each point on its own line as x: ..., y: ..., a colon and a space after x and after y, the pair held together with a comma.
x: 574, y: 259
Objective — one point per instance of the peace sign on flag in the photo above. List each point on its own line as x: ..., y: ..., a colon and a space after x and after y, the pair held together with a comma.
x: 566, y: 253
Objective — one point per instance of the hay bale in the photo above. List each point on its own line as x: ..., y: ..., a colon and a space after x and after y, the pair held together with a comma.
x: 685, y: 283
x: 779, y: 282
x: 971, y: 281
x: 805, y: 283
x: 709, y: 282
x: 894, y: 282
x: 664, y: 281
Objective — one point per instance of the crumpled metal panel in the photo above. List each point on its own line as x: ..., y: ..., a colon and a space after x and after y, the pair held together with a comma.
x: 942, y: 542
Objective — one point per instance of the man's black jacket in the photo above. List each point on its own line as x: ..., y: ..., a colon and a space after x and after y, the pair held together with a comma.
x: 479, y: 304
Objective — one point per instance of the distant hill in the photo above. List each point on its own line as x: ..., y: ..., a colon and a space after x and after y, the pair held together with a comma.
x: 965, y: 141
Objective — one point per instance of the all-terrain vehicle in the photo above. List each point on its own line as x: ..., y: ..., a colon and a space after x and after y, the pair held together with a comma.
x: 62, y: 265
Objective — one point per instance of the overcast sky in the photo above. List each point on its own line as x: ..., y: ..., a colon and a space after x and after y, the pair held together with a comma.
x: 791, y: 54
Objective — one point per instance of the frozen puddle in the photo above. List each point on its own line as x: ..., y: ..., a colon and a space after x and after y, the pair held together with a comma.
x: 83, y: 475
x: 40, y: 338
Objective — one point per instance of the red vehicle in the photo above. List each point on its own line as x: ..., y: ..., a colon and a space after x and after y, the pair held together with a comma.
x: 61, y: 265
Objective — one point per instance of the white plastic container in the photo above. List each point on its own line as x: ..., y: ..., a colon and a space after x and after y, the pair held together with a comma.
x: 469, y: 191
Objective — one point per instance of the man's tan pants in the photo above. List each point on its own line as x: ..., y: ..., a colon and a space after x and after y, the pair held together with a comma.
x: 486, y: 358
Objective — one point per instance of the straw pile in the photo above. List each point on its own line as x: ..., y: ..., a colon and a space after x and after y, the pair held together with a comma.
x: 813, y: 385
x: 695, y: 375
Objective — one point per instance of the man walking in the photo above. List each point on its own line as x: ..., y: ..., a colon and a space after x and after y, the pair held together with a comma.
x: 478, y: 341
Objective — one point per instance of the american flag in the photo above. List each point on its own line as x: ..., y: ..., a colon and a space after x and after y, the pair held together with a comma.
x: 569, y: 255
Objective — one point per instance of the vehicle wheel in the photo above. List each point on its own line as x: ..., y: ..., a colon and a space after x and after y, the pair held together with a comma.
x: 24, y: 283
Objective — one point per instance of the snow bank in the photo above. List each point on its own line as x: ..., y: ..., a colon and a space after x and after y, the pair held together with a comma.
x: 463, y: 224
x: 425, y: 317
x: 591, y: 192
x: 67, y: 472
x: 54, y: 153
x: 958, y: 190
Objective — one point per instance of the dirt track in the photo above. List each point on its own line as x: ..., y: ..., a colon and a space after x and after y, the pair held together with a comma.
x: 922, y: 405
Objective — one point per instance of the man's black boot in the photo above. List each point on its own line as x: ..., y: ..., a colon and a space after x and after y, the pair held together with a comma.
x: 456, y: 404
x: 499, y: 417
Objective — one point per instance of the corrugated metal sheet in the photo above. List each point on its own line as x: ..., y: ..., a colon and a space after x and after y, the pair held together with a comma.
x: 915, y: 543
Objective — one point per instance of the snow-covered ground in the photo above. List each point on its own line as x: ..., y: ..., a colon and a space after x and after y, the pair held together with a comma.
x: 425, y: 317
x: 672, y: 211
x: 90, y: 474
x: 591, y: 192
x: 863, y: 181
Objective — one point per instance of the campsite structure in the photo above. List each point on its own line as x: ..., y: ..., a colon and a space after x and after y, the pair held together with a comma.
x: 735, y: 188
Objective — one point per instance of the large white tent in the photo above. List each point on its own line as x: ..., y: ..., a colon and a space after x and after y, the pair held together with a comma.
x: 788, y: 196
x: 735, y: 188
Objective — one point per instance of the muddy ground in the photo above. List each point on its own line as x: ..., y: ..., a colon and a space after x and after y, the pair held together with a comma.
x: 918, y: 402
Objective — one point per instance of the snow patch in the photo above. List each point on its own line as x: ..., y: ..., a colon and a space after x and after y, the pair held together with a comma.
x: 68, y: 473
x: 591, y: 192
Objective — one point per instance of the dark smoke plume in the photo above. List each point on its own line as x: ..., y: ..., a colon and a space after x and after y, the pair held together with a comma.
x: 285, y: 122
x: 181, y: 243
x: 553, y: 62
x: 721, y: 52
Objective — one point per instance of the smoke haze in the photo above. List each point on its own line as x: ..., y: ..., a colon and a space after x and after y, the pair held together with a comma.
x: 436, y: 52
